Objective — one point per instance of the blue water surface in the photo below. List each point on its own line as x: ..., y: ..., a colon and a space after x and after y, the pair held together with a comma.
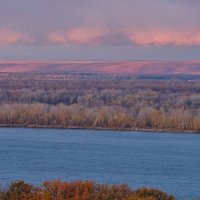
x: 168, y: 161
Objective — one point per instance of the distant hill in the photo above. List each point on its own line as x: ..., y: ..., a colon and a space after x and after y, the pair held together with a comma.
x: 124, y: 67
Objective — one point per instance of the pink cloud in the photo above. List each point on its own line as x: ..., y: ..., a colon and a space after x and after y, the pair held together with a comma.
x: 102, y: 36
x: 159, y: 37
x: 9, y: 37
x: 87, y: 35
x: 80, y: 36
x: 57, y: 38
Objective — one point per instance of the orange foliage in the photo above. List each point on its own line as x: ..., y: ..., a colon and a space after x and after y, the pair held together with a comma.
x: 79, y: 190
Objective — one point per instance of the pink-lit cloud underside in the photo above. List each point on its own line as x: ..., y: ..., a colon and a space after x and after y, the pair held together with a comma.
x: 101, y: 36
x: 9, y: 37
x: 93, y: 23
x: 94, y: 36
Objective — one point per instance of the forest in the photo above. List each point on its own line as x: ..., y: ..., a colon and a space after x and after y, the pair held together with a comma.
x: 79, y: 190
x: 131, y: 103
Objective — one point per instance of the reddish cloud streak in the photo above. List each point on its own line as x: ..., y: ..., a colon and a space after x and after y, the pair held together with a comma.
x: 93, y: 36
x: 9, y: 37
x: 169, y: 37
x: 80, y: 36
x: 99, y: 36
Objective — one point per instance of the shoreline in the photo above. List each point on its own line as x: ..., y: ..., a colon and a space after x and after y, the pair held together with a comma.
x: 150, y: 130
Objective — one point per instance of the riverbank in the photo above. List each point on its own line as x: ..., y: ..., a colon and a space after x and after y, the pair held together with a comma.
x: 99, y: 128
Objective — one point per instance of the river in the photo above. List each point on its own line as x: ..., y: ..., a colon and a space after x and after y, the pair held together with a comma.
x: 168, y: 161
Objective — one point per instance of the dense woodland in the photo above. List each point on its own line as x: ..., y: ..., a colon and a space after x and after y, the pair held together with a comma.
x: 168, y: 103
x: 57, y: 190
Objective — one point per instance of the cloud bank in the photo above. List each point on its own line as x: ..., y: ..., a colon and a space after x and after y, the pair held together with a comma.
x: 9, y: 37
x: 104, y: 23
x: 93, y: 22
x: 104, y: 36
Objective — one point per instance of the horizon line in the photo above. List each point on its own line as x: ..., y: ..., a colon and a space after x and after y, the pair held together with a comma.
x: 93, y: 61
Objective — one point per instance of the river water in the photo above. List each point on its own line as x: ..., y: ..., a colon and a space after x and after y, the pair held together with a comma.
x: 168, y: 161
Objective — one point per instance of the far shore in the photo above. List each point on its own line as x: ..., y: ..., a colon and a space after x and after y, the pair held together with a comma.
x: 99, y: 128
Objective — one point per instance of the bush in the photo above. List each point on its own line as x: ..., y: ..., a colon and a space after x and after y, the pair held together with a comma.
x: 79, y: 190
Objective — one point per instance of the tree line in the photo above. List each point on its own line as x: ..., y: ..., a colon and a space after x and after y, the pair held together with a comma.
x: 112, y: 117
x: 117, y: 104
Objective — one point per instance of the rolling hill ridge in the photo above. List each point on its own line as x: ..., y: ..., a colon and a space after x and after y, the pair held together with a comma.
x: 121, y: 67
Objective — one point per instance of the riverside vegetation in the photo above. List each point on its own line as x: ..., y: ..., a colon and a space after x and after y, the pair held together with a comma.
x: 80, y: 190
x: 91, y: 101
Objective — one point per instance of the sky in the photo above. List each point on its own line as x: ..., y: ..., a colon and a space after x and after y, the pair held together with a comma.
x: 99, y: 29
